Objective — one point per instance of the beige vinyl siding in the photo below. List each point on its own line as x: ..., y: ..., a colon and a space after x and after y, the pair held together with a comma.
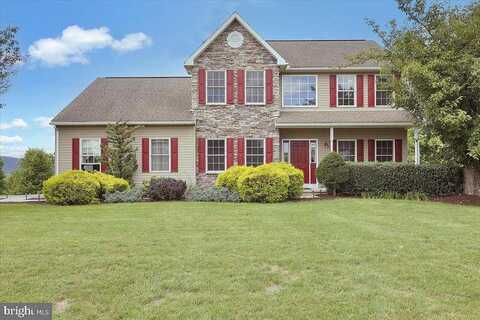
x: 186, y: 148
x: 323, y: 136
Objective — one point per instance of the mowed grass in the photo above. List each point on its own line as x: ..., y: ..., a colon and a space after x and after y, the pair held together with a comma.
x: 329, y: 259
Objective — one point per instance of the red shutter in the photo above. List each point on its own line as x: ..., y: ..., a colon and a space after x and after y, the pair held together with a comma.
x: 201, y: 86
x: 360, y: 153
x: 371, y: 90
x: 241, y: 87
x: 240, y: 151
x: 104, y: 144
x: 371, y: 150
x: 230, y: 86
x: 269, y: 147
x: 174, y: 154
x: 334, y: 145
x: 75, y: 154
x: 269, y: 83
x: 201, y: 154
x: 229, y: 152
x: 398, y: 150
x: 333, y: 90
x: 359, y: 90
x: 145, y: 155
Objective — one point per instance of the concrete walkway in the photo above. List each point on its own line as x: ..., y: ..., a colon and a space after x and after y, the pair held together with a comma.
x: 20, y: 198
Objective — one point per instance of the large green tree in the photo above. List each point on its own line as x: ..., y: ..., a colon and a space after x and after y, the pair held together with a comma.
x: 9, y: 56
x: 35, y: 167
x: 437, y: 54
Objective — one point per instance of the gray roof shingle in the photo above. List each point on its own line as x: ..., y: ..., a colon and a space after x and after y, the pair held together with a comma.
x: 322, y: 53
x: 345, y: 117
x: 132, y: 99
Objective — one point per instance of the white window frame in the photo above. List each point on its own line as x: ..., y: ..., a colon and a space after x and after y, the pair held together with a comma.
x: 348, y: 140
x: 206, y: 88
x: 264, y: 149
x: 300, y: 75
x: 81, y: 154
x: 375, y: 100
x: 169, y: 154
x: 224, y: 153
x: 354, y: 91
x: 393, y: 149
x: 264, y: 89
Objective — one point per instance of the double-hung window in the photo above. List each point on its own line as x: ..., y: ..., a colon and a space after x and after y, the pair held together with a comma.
x: 91, y: 154
x: 216, y: 87
x: 299, y: 91
x: 216, y: 155
x: 160, y: 155
x: 383, y: 150
x: 383, y: 90
x: 255, y: 87
x: 346, y: 90
x: 347, y: 149
x: 255, y: 154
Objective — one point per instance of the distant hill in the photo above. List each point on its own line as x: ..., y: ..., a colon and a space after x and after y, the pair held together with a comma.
x: 10, y: 164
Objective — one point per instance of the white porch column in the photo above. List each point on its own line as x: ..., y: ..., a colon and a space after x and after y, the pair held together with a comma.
x: 331, y: 138
x: 417, y: 145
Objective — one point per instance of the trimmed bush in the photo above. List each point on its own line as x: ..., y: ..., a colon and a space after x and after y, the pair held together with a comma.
x: 263, y: 185
x: 72, y: 187
x: 166, y: 189
x: 212, y: 194
x: 431, y: 180
x: 332, y: 172
x: 417, y: 196
x: 109, y: 183
x: 295, y: 177
x: 132, y: 195
x: 229, y: 178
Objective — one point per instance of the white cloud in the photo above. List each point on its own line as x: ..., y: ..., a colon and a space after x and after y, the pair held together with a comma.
x: 43, y: 122
x: 15, y: 123
x: 75, y: 42
x: 13, y: 150
x: 10, y: 139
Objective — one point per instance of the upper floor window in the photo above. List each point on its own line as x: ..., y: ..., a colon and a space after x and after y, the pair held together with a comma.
x: 299, y: 90
x: 346, y: 90
x: 216, y: 155
x: 383, y: 90
x: 255, y: 87
x: 91, y: 154
x: 216, y: 87
x: 347, y: 149
x: 255, y: 154
x: 160, y: 155
x: 383, y: 150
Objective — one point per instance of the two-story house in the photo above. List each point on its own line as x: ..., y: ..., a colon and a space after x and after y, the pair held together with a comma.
x: 247, y: 101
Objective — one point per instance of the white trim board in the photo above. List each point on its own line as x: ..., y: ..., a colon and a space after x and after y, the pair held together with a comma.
x: 235, y: 16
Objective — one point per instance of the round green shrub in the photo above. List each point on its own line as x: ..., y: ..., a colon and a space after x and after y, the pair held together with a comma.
x: 332, y: 172
x: 72, y: 187
x: 229, y: 178
x: 263, y: 185
x: 295, y: 177
x: 109, y: 183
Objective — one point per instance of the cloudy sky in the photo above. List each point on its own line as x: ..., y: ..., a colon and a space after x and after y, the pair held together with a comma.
x: 69, y: 43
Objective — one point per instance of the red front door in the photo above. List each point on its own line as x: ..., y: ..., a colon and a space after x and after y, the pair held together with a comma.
x: 300, y: 156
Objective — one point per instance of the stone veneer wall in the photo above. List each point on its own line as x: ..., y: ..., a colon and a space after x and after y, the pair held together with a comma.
x: 256, y: 121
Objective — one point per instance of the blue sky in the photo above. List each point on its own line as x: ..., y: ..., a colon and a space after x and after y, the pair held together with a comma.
x: 144, y: 38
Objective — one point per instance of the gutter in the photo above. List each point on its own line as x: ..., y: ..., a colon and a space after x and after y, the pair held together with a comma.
x: 97, y: 123
x: 345, y: 125
x: 305, y: 69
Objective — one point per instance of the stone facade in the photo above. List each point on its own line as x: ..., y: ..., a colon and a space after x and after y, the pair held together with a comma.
x: 248, y: 121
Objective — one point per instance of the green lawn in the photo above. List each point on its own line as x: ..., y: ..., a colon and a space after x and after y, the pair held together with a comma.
x: 329, y: 259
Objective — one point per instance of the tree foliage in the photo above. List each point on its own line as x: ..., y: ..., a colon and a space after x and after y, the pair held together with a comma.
x: 437, y: 54
x: 9, y: 56
x: 35, y: 168
x: 120, y: 153
x: 3, y: 181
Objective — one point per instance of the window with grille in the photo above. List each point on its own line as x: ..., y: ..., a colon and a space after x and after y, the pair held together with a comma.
x: 91, y: 155
x: 299, y: 91
x: 216, y: 87
x: 383, y: 90
x: 346, y: 90
x: 255, y: 87
x: 384, y: 150
x: 255, y: 154
x: 216, y: 155
x: 160, y: 154
x: 346, y: 148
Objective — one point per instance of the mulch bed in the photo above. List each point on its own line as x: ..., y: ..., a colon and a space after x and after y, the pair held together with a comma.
x: 459, y: 199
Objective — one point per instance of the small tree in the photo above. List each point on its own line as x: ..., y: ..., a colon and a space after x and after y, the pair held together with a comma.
x: 2, y: 178
x: 332, y: 172
x: 35, y: 168
x: 120, y: 153
x: 15, y: 182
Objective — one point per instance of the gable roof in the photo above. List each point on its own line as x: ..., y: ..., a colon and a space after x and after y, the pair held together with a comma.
x: 323, y: 53
x: 142, y: 100
x: 235, y: 16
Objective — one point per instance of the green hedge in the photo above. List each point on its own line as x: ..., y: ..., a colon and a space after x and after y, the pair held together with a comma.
x: 432, y: 180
